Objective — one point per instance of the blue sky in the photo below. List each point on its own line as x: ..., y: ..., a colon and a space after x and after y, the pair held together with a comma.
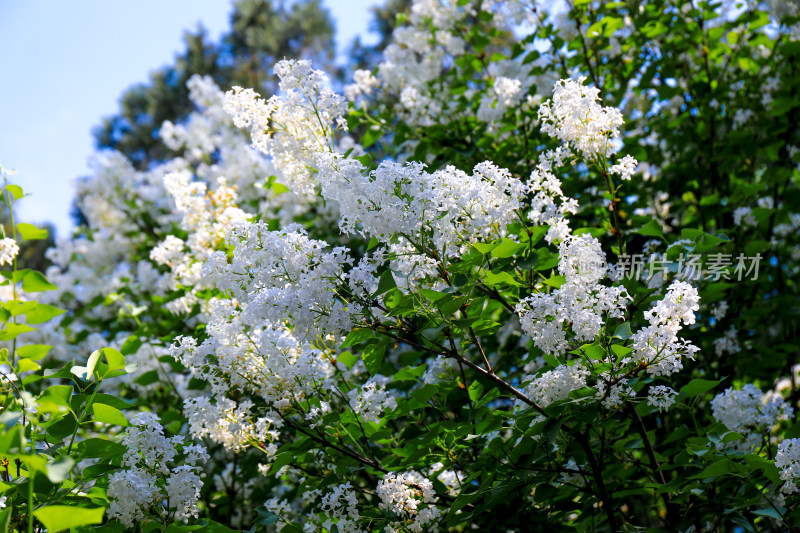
x: 64, y: 65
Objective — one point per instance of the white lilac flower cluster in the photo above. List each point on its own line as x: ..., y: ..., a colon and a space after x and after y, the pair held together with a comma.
x: 576, y: 118
x: 450, y: 478
x: 504, y: 94
x: 135, y: 492
x: 295, y: 125
x: 661, y: 396
x: 203, y: 132
x: 340, y: 504
x: 263, y: 339
x: 413, y: 211
x: 413, y: 62
x: 743, y: 217
x: 8, y: 251
x: 453, y: 208
x: 232, y: 424
x: 728, y: 343
x: 613, y: 395
x: 372, y: 399
x: 625, y: 168
x: 549, y: 206
x: 750, y: 412
x: 581, y: 302
x: 207, y: 217
x: 363, y: 84
x: 283, y: 278
x: 556, y: 384
x: 410, y: 497
x: 283, y: 285
x: 657, y: 346
x: 787, y: 459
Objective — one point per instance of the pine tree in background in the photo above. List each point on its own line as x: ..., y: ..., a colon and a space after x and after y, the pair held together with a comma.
x: 383, y: 23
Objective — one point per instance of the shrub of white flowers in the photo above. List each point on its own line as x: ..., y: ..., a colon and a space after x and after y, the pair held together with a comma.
x: 534, y: 270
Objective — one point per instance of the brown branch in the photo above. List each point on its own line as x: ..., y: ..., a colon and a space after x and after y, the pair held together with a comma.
x: 480, y: 349
x: 496, y: 296
x: 597, y: 474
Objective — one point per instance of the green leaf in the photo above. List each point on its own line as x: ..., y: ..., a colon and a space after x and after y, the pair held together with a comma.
x: 281, y: 460
x: 654, y: 28
x: 63, y: 427
x: 620, y: 351
x: 484, y: 248
x: 475, y: 390
x: 279, y: 188
x: 347, y: 359
x: 433, y: 295
x: 623, y: 331
x: 730, y: 436
x: 57, y: 394
x: 63, y: 372
x: 691, y: 233
x: 593, y: 351
x: 373, y: 357
x: 130, y: 345
x: 356, y: 336
x: 148, y: 378
x: 720, y: 468
x: 109, y: 415
x: 5, y: 519
x: 450, y: 306
x: 371, y: 136
x: 770, y: 512
x: 36, y: 282
x: 116, y: 360
x: 204, y: 525
x: 61, y: 517
x: 99, y: 447
x: 113, y: 401
x: 59, y: 470
x: 500, y: 278
x: 385, y: 283
x: 605, y: 27
x: 16, y: 191
x: 507, y: 248
x: 555, y: 281
x: 697, y: 386
x: 30, y: 232
x: 425, y: 393
x: 265, y: 516
x: 409, y: 373
x: 651, y: 229
x: 746, y: 63
x: 26, y: 365
x: 42, y: 313
x: 13, y: 330
x: 17, y: 307
x: 765, y: 466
